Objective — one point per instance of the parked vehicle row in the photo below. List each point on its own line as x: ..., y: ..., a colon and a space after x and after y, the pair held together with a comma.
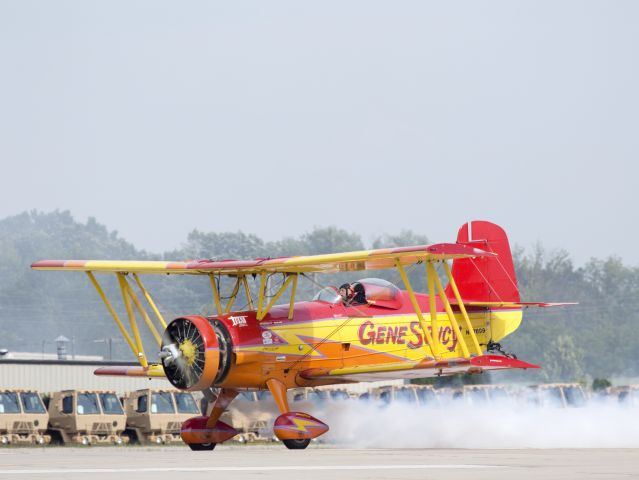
x: 152, y: 416
x: 89, y: 417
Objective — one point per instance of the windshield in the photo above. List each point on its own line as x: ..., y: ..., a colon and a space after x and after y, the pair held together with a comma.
x: 498, y: 394
x: 476, y: 396
x: 161, y: 402
x: 185, y: 403
x: 88, y: 404
x: 552, y: 397
x: 339, y: 395
x: 9, y: 402
x: 426, y: 396
x: 31, y: 403
x: 110, y: 404
x: 317, y: 395
x: 574, y: 396
x: 405, y: 395
x: 328, y: 295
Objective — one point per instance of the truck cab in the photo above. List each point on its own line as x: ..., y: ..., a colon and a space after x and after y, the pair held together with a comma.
x: 87, y: 417
x: 559, y: 395
x: 156, y: 416
x: 23, y: 418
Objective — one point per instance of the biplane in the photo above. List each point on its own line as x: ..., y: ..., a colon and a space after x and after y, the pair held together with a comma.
x: 391, y: 333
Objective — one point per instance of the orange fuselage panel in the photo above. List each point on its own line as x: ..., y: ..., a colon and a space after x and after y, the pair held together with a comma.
x: 331, y: 336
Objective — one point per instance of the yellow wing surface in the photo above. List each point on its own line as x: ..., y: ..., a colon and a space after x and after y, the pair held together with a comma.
x: 429, y: 367
x: 335, y: 262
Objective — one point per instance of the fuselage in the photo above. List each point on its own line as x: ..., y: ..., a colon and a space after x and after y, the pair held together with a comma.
x: 323, y: 335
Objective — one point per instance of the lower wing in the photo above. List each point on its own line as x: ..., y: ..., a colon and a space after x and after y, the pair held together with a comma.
x: 422, y: 369
x: 154, y: 370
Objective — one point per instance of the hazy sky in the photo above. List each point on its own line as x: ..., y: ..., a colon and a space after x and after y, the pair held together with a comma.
x: 275, y: 117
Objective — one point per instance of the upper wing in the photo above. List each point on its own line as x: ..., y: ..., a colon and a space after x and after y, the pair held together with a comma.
x: 334, y: 262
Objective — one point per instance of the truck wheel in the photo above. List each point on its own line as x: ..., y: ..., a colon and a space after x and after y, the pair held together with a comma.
x: 56, y: 437
x: 297, y: 444
x: 202, y: 446
x: 133, y: 436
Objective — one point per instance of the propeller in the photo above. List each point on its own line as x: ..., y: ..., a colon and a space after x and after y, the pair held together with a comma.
x: 183, y: 353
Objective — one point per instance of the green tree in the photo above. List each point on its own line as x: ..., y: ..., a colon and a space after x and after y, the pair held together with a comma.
x: 563, y: 360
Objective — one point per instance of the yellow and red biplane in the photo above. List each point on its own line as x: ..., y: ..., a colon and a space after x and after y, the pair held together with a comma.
x: 389, y: 334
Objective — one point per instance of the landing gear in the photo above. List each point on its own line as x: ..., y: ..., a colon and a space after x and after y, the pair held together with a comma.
x: 294, y: 429
x: 203, y: 433
x: 297, y: 444
x: 202, y: 446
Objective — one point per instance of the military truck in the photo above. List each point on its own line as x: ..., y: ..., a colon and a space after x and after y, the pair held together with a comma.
x: 86, y: 417
x: 318, y: 397
x: 627, y: 395
x: 560, y: 395
x: 156, y: 416
x: 23, y: 418
x: 412, y: 394
x: 252, y: 413
x: 484, y: 395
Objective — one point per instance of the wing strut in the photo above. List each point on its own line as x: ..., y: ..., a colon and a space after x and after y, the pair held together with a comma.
x: 134, y: 326
x: 216, y: 295
x: 432, y: 305
x: 247, y: 292
x: 113, y: 313
x: 131, y: 301
x: 291, y: 307
x: 262, y: 311
x: 418, y: 311
x: 145, y: 316
x: 150, y: 300
x: 451, y: 316
x: 462, y: 308
x: 236, y: 289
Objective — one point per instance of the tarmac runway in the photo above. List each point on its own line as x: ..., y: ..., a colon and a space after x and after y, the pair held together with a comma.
x: 317, y: 462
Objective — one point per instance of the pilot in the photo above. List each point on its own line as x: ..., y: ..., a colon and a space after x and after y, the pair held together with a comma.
x: 359, y: 295
x: 346, y: 292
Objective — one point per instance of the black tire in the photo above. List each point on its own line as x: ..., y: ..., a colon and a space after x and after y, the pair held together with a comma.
x: 202, y: 446
x: 297, y: 444
x: 56, y: 437
x: 133, y: 436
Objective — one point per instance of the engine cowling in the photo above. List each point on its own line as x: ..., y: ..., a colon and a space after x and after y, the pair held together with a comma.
x: 195, y: 353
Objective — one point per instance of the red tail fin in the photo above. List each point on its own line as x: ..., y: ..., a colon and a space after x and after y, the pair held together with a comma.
x: 487, y: 279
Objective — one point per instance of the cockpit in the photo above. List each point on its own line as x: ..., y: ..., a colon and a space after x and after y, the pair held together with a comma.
x: 377, y: 292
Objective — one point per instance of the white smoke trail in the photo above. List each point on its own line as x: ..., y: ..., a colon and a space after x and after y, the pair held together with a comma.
x: 503, y: 425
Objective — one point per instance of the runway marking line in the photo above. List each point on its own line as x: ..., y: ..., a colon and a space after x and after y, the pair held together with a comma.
x: 50, y: 471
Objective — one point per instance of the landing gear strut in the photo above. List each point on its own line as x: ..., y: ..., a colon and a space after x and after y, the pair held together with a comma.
x: 203, y: 433
x: 294, y: 429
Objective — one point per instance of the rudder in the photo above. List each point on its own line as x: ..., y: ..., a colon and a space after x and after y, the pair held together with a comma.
x: 485, y: 279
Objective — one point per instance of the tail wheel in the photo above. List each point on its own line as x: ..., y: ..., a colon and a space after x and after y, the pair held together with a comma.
x: 202, y: 446
x: 297, y: 444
